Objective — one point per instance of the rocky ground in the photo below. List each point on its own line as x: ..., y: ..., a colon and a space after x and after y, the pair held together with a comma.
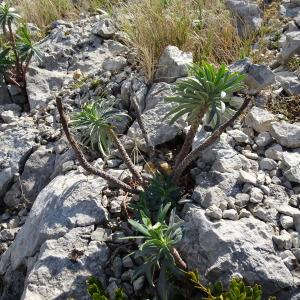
x: 60, y: 225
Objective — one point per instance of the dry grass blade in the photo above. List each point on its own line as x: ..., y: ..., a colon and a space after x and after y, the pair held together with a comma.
x: 44, y: 12
x: 203, y: 27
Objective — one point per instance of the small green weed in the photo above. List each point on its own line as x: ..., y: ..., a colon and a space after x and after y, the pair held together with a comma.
x: 96, y: 291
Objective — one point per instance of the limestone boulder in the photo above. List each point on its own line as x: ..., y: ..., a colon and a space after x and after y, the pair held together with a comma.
x: 226, y: 247
x: 259, y: 119
x: 173, y: 64
x: 35, y: 176
x: 286, y: 134
x: 158, y: 127
x: 69, y: 201
x: 248, y: 15
x: 17, y: 141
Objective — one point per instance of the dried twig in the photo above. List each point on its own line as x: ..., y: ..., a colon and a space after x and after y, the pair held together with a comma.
x: 141, y: 123
x: 126, y: 157
x: 179, y: 261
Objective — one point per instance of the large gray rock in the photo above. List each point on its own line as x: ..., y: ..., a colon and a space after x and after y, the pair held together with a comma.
x: 134, y: 87
x: 210, y: 154
x: 291, y: 166
x: 104, y: 28
x: 67, y: 48
x: 16, y: 144
x: 291, y: 45
x: 114, y: 64
x: 41, y: 83
x: 230, y: 161
x: 56, y: 276
x: 248, y: 16
x: 258, y: 78
x: 69, y: 201
x: 35, y: 177
x: 289, y: 82
x: 290, y: 9
x: 286, y: 134
x: 158, y: 128
x: 173, y: 64
x: 221, y: 249
x: 259, y: 119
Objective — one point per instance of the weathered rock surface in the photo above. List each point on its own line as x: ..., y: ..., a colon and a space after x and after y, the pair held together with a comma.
x: 173, y: 64
x: 56, y: 275
x: 68, y: 201
x: 291, y: 166
x: 259, y: 119
x: 291, y: 45
x: 34, y: 178
x: 247, y: 184
x: 16, y: 144
x: 219, y: 249
x: 70, y: 47
x: 63, y: 213
x: 258, y: 76
x: 248, y: 15
x: 286, y: 134
x: 104, y: 28
x: 159, y: 130
x: 289, y: 82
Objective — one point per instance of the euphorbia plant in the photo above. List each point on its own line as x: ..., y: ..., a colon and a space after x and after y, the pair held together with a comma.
x: 208, y: 93
x: 18, y: 48
x: 96, y: 123
x: 158, y: 249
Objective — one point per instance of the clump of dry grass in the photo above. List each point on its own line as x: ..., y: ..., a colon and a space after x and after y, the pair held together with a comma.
x: 288, y: 106
x: 204, y: 27
x: 44, y: 12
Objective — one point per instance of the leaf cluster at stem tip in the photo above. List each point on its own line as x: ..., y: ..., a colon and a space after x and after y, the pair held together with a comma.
x: 158, y: 240
x: 94, y: 122
x: 18, y: 49
x: 209, y: 89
